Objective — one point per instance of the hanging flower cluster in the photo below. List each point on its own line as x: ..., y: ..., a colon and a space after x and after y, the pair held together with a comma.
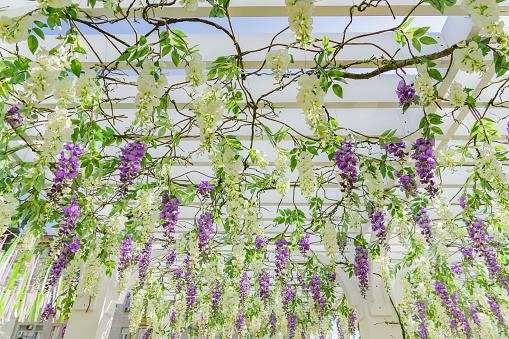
x: 130, y: 161
x: 169, y: 215
x: 292, y: 206
x: 300, y: 14
x: 70, y: 243
x: 346, y: 160
x: 13, y: 117
x: 67, y: 169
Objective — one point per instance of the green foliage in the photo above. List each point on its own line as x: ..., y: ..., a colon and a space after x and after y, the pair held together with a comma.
x: 430, y: 125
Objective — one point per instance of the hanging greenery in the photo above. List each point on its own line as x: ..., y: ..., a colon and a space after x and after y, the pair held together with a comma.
x: 101, y: 173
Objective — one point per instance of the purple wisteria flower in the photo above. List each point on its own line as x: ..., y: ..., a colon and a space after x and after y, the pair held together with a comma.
x: 421, y: 316
x: 67, y: 169
x: 57, y: 267
x: 264, y: 285
x: 143, y: 260
x: 481, y: 244
x: 495, y: 309
x: 216, y: 295
x: 462, y: 202
x: 74, y: 245
x: 472, y: 310
x: 48, y: 311
x: 378, y: 225
x: 189, y: 277
x: 191, y: 291
x: 287, y: 295
x: 424, y: 155
x: 346, y: 160
x: 205, y: 189
x: 171, y: 257
x: 282, y: 255
x: 244, y: 286
x: 468, y: 253
x: 69, y: 248
x: 273, y: 323
x: 292, y: 324
x: 452, y: 305
x: 260, y: 242
x: 169, y: 215
x: 68, y: 222
x: 406, y: 93
x: 205, y: 229
x: 361, y: 268
x: 126, y: 251
x: 456, y: 268
x: 396, y: 149
x: 407, y: 182
x: 352, y: 321
x: 130, y: 161
x: 13, y: 117
x: 241, y: 320
x: 314, y: 287
x: 423, y: 221
x: 147, y: 334
x: 304, y: 244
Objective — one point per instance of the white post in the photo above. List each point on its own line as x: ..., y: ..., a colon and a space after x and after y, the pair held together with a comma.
x: 91, y: 317
x: 376, y: 315
x: 7, y: 327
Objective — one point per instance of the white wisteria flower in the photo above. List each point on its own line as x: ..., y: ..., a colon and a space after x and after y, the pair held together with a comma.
x: 64, y: 91
x: 189, y: 5
x: 311, y: 98
x: 94, y: 271
x: 281, y: 173
x: 8, y: 206
x: 209, y: 110
x: 470, y: 58
x: 151, y: 87
x: 137, y: 310
x: 330, y: 241
x: 307, y: 178
x: 14, y: 30
x: 58, y: 131
x: 195, y: 70
x: 278, y: 61
x: 86, y: 89
x: 424, y: 86
x: 457, y: 95
x: 44, y: 73
x: 300, y: 19
x: 485, y: 15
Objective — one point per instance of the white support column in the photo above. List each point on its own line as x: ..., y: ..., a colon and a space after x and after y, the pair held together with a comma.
x: 91, y: 318
x: 7, y: 327
x: 376, y: 315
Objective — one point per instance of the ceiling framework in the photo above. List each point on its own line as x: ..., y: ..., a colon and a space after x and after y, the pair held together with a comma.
x: 368, y: 106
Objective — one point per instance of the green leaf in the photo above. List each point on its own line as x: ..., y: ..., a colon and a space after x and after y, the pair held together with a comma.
x: 416, y: 44
x: 216, y: 12
x: 76, y: 67
x: 39, y: 32
x: 420, y: 32
x: 435, y: 74
x: 88, y: 170
x: 175, y: 57
x: 438, y: 4
x: 33, y: 43
x: 338, y: 90
x: 427, y: 40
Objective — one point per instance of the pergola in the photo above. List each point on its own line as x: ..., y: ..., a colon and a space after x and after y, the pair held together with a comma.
x: 368, y: 108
